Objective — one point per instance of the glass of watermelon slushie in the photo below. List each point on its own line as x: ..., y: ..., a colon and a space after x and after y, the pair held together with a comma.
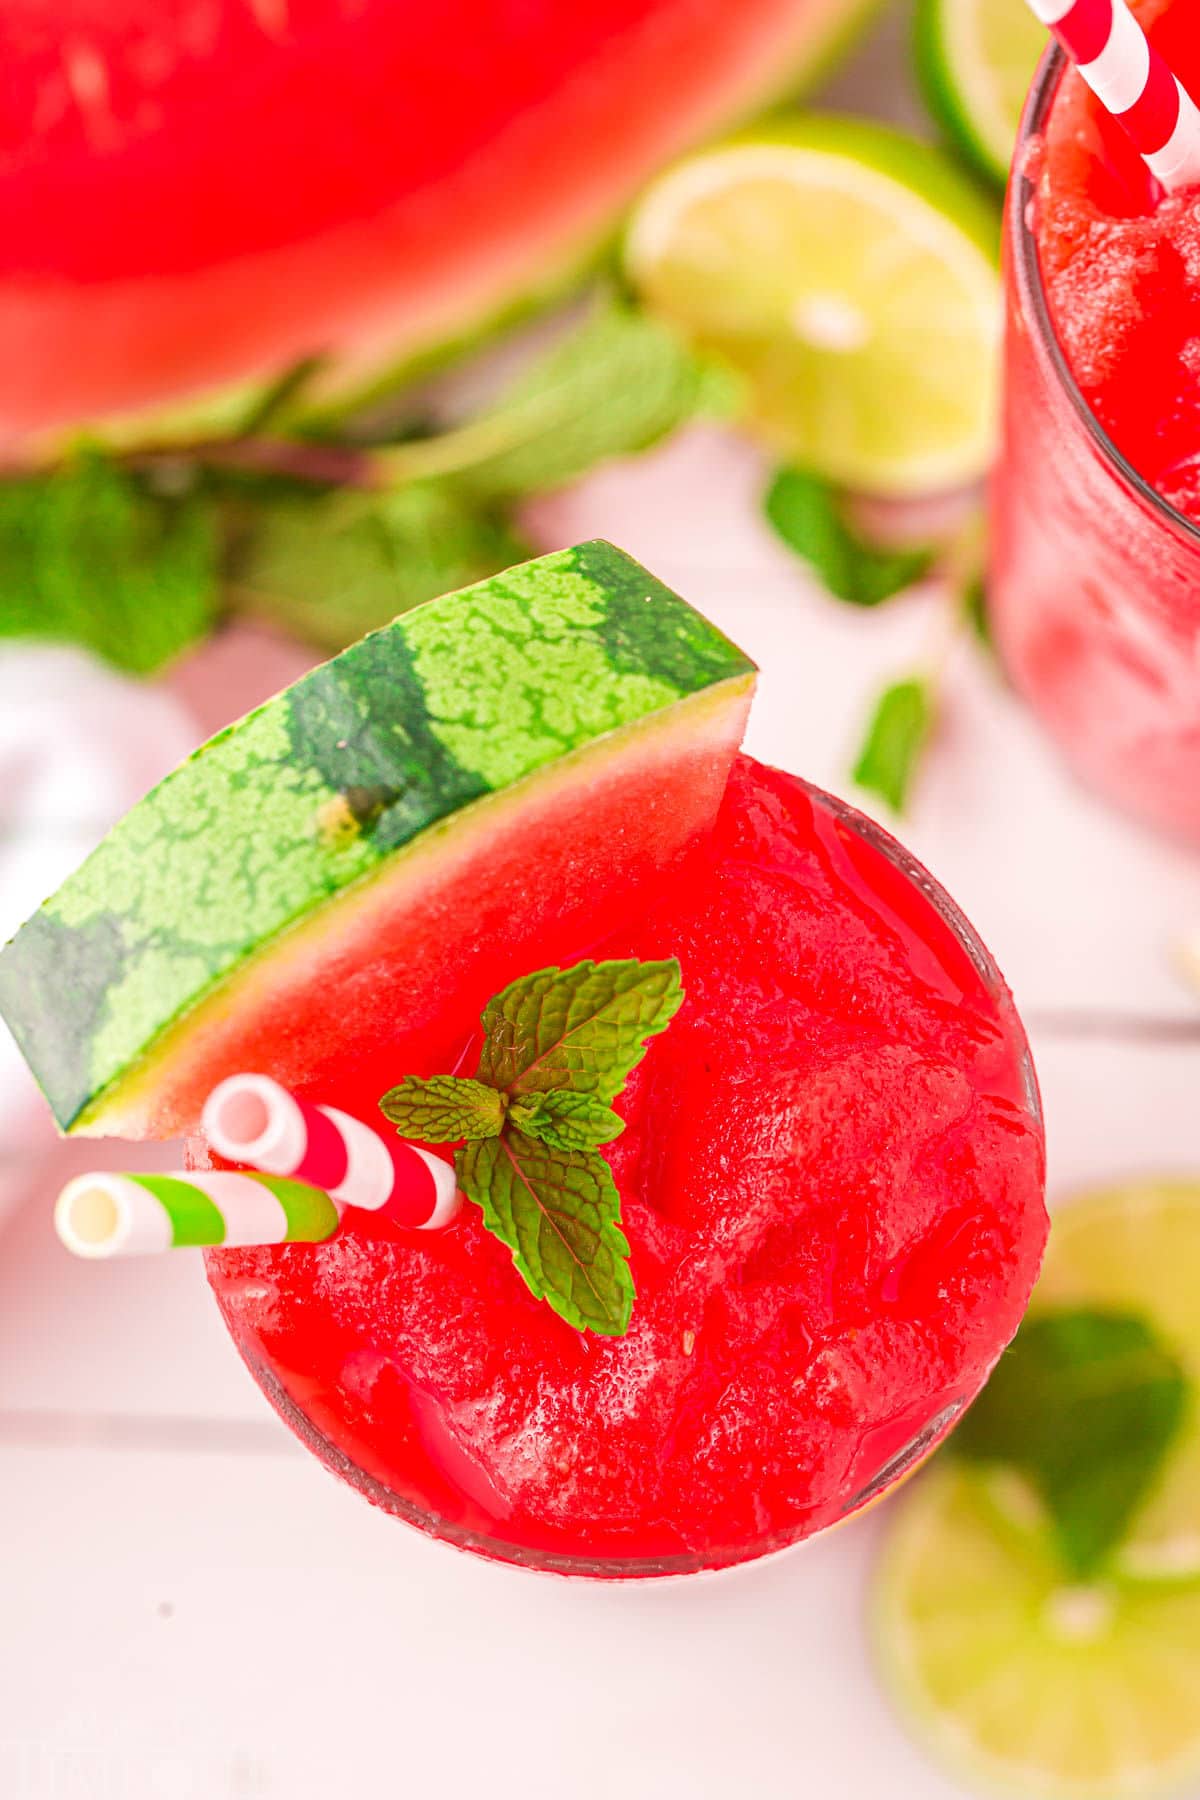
x: 1094, y: 592
x: 828, y: 1161
x: 831, y: 1179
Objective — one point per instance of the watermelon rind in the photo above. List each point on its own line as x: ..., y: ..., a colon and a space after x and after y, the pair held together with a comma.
x: 467, y: 700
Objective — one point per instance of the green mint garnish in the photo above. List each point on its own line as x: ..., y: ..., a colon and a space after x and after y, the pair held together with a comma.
x: 807, y: 514
x: 1085, y: 1405
x: 444, y: 1109
x: 566, y: 1119
x: 558, y: 1047
x: 582, y: 1028
x: 559, y: 1212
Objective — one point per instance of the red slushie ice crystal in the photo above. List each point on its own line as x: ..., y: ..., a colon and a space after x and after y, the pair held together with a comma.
x: 832, y: 1187
x: 1095, y: 582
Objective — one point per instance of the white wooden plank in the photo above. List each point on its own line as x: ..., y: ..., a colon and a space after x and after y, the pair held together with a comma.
x: 196, y: 1628
x: 1117, y: 1108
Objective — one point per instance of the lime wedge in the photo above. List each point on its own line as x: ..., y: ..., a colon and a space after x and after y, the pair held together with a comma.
x: 975, y: 62
x: 848, y: 272
x: 1015, y: 1680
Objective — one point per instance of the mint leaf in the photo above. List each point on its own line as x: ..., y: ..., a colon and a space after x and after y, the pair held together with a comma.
x: 567, y: 1120
x: 582, y: 1028
x: 617, y: 382
x: 894, y: 740
x: 975, y: 608
x: 331, y: 567
x: 559, y: 1213
x: 1086, y: 1404
x: 443, y: 1109
x: 91, y: 554
x: 806, y: 514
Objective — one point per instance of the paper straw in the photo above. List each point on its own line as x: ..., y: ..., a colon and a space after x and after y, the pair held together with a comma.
x: 251, y: 1119
x: 139, y: 1215
x: 1131, y: 80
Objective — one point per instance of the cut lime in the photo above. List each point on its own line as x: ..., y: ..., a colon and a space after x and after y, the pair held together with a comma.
x: 849, y: 273
x: 1013, y: 1678
x: 1137, y: 1248
x: 975, y: 61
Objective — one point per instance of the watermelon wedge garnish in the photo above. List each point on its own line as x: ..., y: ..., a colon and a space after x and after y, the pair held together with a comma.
x: 340, y: 881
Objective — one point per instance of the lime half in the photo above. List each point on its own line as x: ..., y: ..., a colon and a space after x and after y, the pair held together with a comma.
x: 1021, y: 1682
x: 975, y: 61
x: 849, y: 273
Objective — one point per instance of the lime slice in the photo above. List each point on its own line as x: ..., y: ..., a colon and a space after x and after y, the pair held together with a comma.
x: 1014, y: 1679
x: 849, y: 273
x: 975, y: 62
x: 1137, y: 1247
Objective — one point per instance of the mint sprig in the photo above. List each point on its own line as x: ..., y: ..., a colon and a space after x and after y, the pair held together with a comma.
x: 1085, y: 1405
x: 328, y: 516
x: 559, y: 1045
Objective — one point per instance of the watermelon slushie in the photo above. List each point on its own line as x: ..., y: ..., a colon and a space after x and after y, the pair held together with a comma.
x: 1095, y: 582
x: 831, y: 1180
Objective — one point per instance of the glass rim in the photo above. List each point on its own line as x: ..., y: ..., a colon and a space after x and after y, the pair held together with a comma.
x: 1028, y: 270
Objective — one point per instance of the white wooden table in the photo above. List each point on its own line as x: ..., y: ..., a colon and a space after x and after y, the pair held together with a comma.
x: 190, y: 1609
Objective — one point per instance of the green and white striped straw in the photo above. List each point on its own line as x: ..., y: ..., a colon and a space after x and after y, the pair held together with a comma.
x: 138, y: 1215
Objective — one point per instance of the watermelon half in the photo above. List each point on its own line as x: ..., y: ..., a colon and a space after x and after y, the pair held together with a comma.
x: 200, y: 193
x: 334, y: 887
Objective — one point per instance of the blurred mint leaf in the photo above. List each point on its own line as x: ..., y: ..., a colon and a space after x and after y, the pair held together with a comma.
x: 1085, y: 1404
x: 806, y: 513
x: 443, y: 1109
x: 93, y: 554
x: 582, y: 1028
x: 566, y: 1120
x: 331, y: 567
x: 975, y: 610
x: 617, y: 382
x: 893, y: 742
x: 559, y: 1213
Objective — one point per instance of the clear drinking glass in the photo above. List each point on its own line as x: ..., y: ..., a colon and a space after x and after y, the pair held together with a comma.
x: 379, y: 1453
x: 1094, y: 590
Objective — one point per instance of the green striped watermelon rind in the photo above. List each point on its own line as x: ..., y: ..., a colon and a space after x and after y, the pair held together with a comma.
x: 310, y: 796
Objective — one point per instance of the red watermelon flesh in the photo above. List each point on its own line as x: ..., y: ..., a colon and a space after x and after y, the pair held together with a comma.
x: 832, y: 1185
x: 196, y: 193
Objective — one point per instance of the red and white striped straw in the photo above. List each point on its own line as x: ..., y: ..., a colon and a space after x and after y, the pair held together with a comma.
x: 251, y: 1119
x: 1131, y: 80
